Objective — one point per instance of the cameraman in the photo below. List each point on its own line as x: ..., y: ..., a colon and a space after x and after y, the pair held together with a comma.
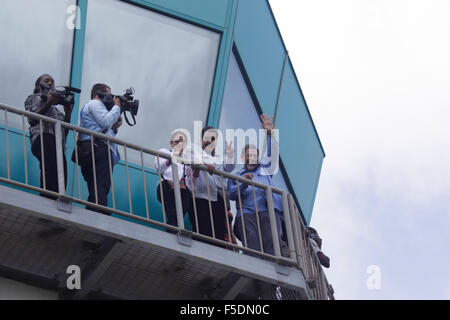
x: 102, y: 116
x: 43, y: 103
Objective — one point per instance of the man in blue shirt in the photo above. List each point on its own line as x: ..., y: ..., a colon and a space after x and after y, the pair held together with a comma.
x: 260, y: 172
x: 97, y: 117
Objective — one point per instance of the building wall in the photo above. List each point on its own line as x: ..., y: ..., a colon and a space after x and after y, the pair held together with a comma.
x: 246, y: 25
x: 13, y: 290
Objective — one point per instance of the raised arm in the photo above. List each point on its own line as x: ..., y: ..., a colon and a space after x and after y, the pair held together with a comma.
x: 272, y: 152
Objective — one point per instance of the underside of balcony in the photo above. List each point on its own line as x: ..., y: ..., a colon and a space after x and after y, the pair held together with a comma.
x: 120, y: 259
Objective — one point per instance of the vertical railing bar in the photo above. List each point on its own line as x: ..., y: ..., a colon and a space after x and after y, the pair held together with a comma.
x: 242, y: 214
x: 41, y: 137
x: 161, y: 191
x: 273, y: 222
x: 257, y: 220
x: 128, y: 178
x: 210, y: 207
x: 226, y: 208
x: 75, y: 139
x: 296, y: 234
x: 111, y: 175
x: 287, y: 221
x: 191, y: 176
x: 59, y: 159
x: 303, y: 248
x: 145, y: 185
x: 309, y: 259
x: 25, y: 150
x: 177, y: 192
x: 322, y: 284
x: 94, y: 168
x: 316, y: 278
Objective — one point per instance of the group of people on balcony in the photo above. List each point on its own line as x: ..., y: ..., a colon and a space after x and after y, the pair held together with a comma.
x: 205, y: 196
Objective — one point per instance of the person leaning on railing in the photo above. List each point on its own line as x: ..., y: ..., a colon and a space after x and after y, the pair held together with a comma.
x: 43, y: 103
x: 260, y: 172
x: 177, y: 143
x: 102, y: 116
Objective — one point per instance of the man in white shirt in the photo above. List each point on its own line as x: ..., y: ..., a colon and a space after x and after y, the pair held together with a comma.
x: 102, y: 116
x: 164, y: 166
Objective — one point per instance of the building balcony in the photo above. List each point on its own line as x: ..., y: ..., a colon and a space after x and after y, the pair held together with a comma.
x: 131, y: 254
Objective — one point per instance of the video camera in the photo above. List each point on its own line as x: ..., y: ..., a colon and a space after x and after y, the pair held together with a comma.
x: 128, y: 103
x: 64, y: 93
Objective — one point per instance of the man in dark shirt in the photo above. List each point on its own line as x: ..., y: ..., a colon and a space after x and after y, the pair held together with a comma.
x: 43, y: 103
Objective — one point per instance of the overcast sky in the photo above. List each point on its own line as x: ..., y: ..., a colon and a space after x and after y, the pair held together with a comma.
x: 376, y: 77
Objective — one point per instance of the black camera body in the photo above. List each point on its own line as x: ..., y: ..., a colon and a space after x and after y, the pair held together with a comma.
x: 127, y: 100
x: 129, y: 103
x: 65, y: 95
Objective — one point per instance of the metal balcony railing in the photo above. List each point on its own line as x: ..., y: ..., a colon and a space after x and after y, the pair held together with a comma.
x: 300, y: 254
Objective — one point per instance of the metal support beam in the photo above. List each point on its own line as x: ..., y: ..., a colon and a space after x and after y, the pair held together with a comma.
x: 238, y: 286
x: 94, y: 269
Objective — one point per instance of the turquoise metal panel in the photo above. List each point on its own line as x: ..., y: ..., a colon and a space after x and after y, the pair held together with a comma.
x: 222, y: 66
x: 300, y: 147
x: 17, y: 160
x: 214, y: 12
x: 76, y: 75
x: 263, y: 53
x: 261, y: 49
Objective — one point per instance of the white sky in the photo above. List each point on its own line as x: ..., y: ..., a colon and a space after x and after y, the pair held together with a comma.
x: 376, y: 77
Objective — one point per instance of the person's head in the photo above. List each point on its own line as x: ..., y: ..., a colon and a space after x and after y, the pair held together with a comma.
x: 178, y: 140
x: 313, y: 234
x: 209, y: 139
x: 249, y: 156
x: 45, y: 80
x: 311, y: 231
x: 99, y: 87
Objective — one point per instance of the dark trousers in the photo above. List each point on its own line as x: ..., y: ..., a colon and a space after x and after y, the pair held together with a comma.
x: 51, y: 171
x: 102, y: 176
x: 251, y: 231
x: 204, y: 218
x: 169, y: 203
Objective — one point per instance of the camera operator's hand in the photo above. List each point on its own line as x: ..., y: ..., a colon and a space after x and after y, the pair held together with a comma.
x: 117, y: 102
x: 117, y: 125
x: 52, y: 100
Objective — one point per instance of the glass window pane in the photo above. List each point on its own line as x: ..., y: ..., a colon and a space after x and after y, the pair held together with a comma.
x: 239, y: 111
x: 170, y: 64
x: 28, y: 52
